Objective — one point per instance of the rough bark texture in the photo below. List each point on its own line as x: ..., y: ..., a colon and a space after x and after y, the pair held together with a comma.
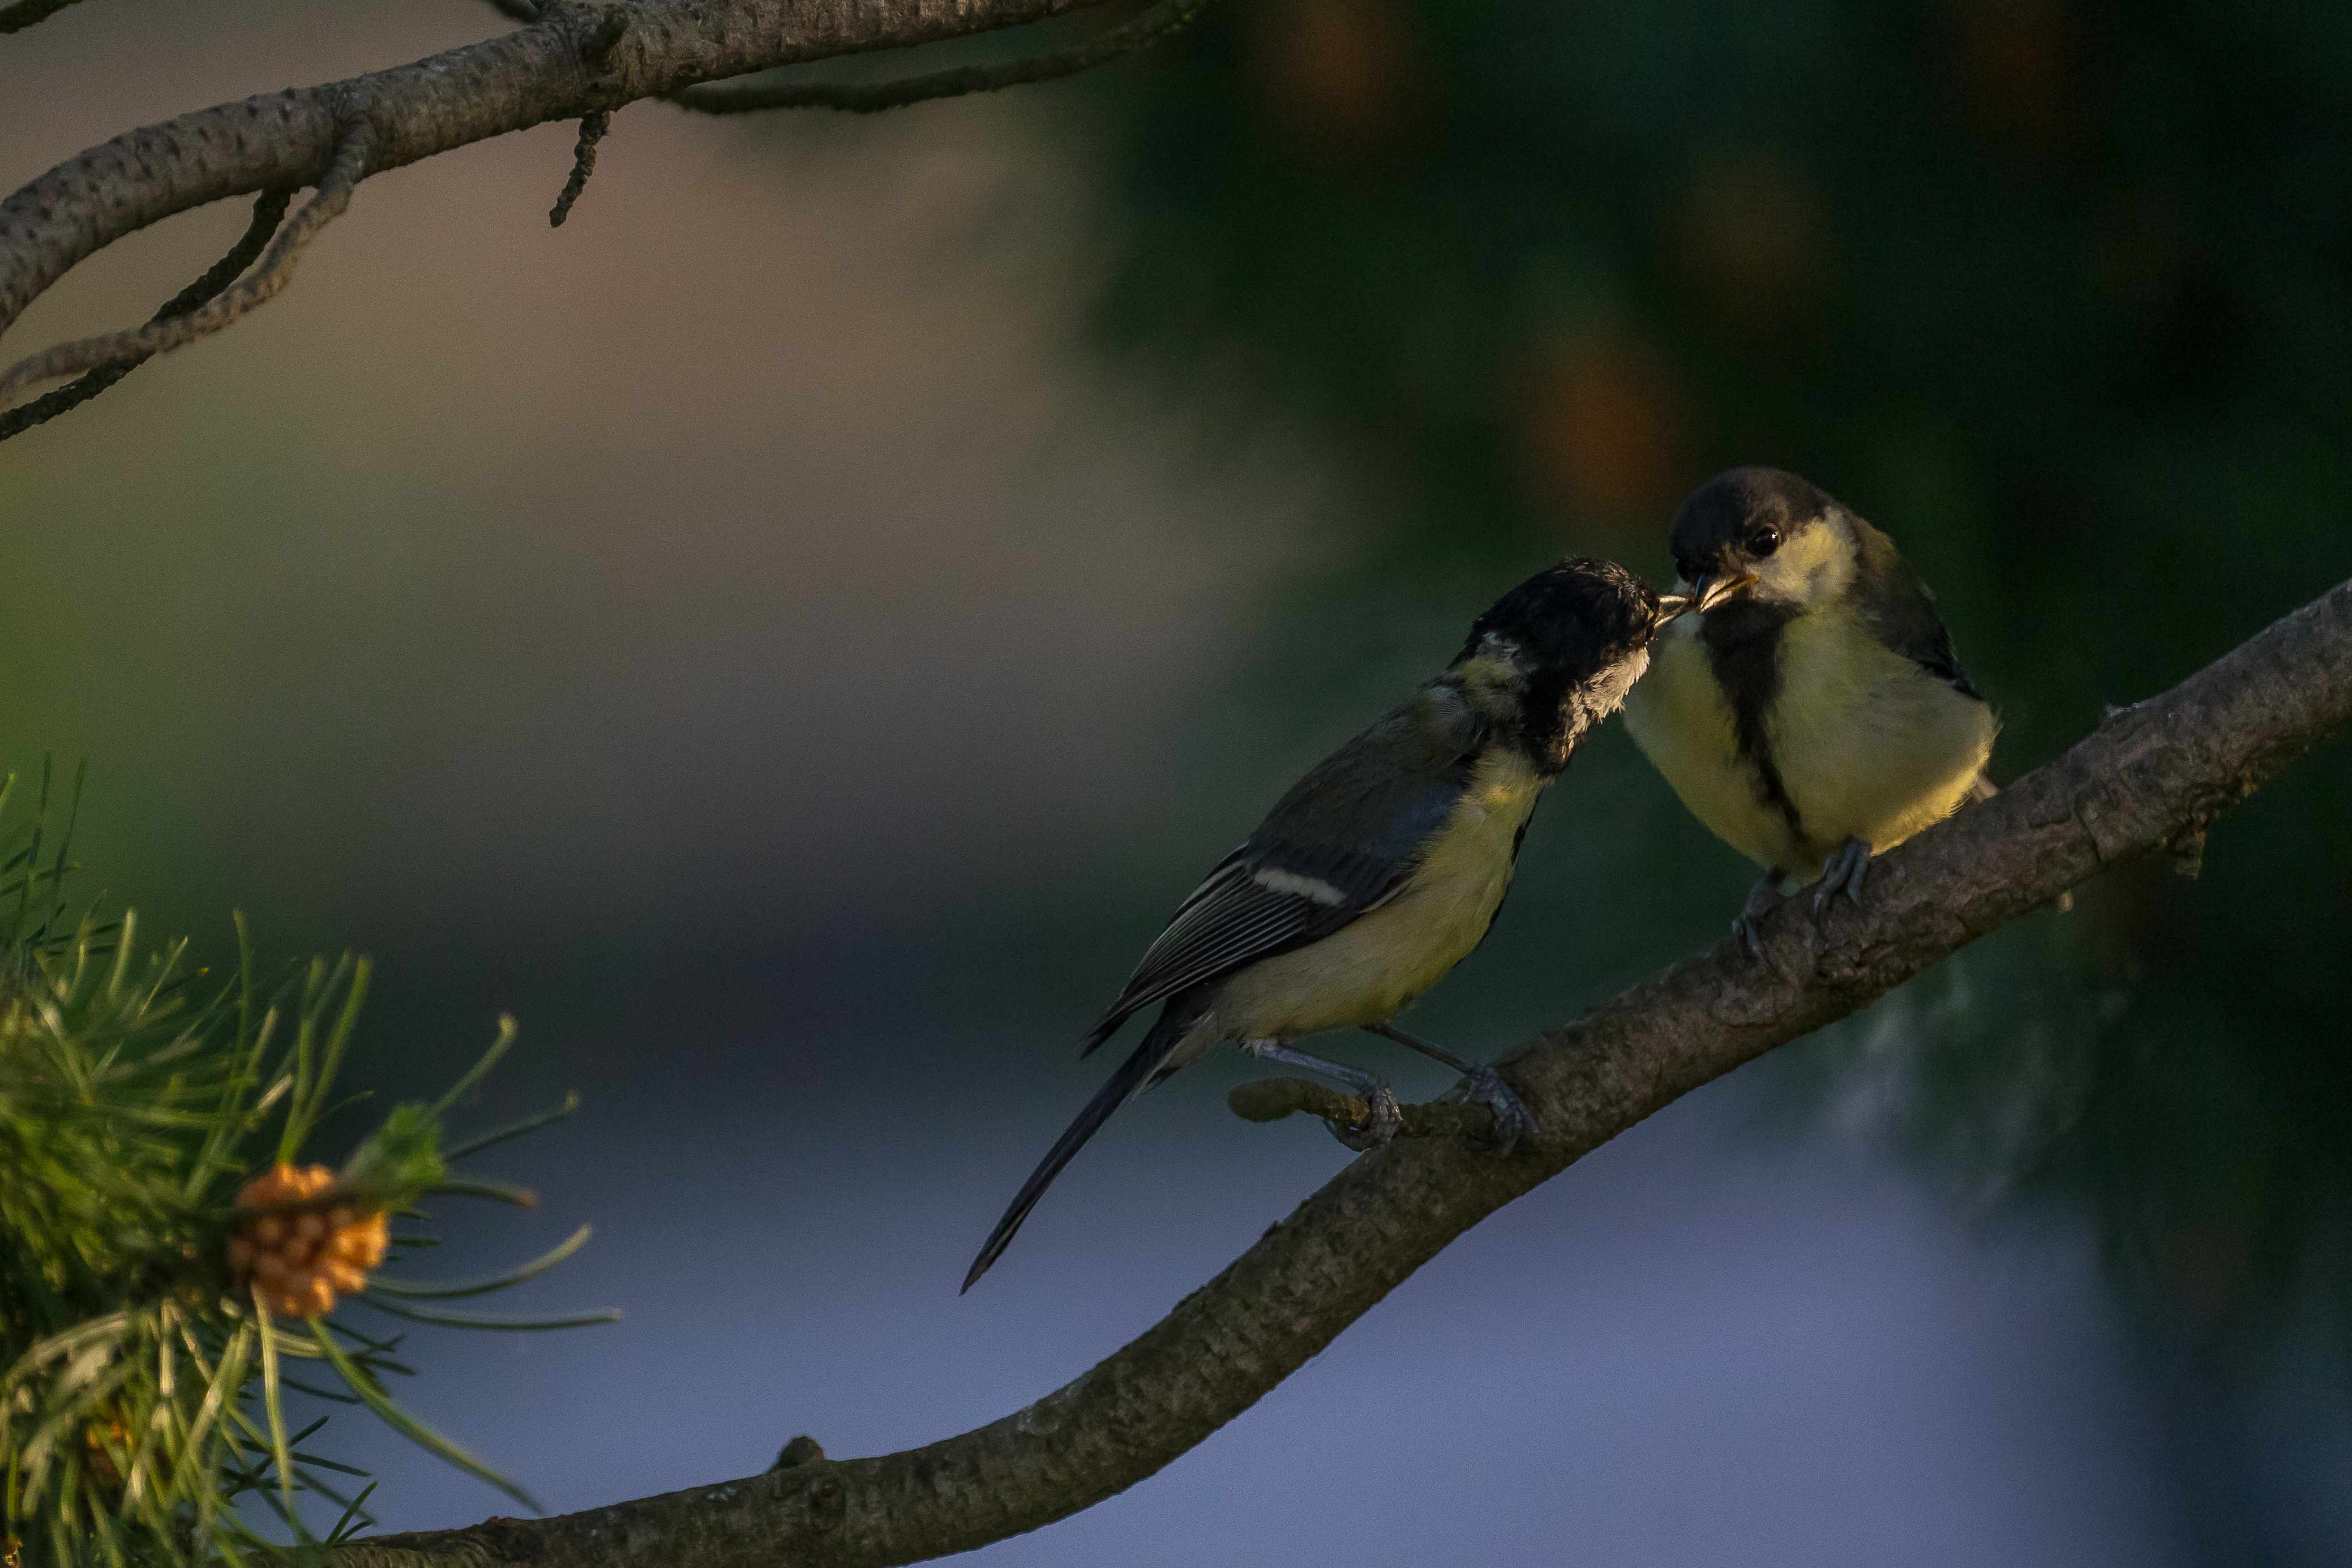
x: 577, y: 60
x: 2152, y: 777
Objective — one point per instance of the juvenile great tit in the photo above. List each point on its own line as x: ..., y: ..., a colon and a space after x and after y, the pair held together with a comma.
x: 1384, y: 865
x: 1815, y: 714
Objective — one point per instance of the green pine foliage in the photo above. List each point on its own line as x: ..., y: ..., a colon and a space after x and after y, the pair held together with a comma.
x: 144, y: 1397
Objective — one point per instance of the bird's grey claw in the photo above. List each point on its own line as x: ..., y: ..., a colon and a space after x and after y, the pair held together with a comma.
x: 1387, y: 1117
x: 1513, y: 1119
x: 1762, y: 900
x: 1843, y: 873
x: 1749, y: 937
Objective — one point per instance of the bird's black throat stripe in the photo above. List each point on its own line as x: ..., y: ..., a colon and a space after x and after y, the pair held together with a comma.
x: 1743, y: 646
x: 1543, y: 723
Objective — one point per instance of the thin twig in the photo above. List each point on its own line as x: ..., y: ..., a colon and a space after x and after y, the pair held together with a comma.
x: 1272, y: 1099
x: 16, y: 18
x: 755, y: 94
x: 268, y: 209
x: 592, y: 127
x: 165, y: 333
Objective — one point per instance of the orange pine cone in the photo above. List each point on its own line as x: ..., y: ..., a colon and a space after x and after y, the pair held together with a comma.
x: 297, y: 1262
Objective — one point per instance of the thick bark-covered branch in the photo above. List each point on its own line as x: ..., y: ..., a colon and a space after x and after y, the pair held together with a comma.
x: 2149, y: 778
x: 577, y: 60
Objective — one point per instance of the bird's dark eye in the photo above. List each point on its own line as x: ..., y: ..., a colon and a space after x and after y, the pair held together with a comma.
x: 1763, y: 542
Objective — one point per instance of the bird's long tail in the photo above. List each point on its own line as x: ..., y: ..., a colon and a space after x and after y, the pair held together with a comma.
x: 1133, y: 1075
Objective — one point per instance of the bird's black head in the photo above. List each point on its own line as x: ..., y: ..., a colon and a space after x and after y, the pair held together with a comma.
x: 1556, y: 654
x: 1582, y: 617
x: 1777, y: 527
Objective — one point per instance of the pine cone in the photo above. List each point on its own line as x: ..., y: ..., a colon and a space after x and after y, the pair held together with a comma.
x: 298, y: 1261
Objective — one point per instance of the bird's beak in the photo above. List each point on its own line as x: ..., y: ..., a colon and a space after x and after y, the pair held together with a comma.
x: 1708, y: 592
x: 1715, y: 587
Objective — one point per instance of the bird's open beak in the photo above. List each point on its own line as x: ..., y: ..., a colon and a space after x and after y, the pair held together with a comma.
x: 1706, y: 593
x: 1716, y: 588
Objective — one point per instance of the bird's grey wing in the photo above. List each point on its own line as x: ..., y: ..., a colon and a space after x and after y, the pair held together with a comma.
x: 1338, y: 846
x: 1901, y: 611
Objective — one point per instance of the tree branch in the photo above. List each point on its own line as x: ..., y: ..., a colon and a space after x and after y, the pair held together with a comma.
x: 22, y: 15
x: 1272, y: 1099
x: 753, y: 96
x: 267, y: 211
x: 584, y: 164
x: 574, y: 60
x: 165, y: 333
x: 2150, y: 776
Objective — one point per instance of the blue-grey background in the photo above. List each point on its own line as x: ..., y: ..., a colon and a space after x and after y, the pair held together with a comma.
x: 790, y: 637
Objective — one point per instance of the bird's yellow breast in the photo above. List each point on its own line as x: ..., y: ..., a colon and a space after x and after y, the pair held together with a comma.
x: 1372, y: 967
x: 1868, y: 744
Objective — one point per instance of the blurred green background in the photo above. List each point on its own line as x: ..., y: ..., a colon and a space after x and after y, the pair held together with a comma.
x: 2059, y: 293
x: 793, y: 634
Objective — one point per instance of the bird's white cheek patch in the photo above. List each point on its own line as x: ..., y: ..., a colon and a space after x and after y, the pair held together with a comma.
x: 1815, y: 567
x: 1609, y: 691
x: 1274, y: 879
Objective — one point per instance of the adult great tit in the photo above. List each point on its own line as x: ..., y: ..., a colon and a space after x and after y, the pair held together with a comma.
x: 1815, y: 714
x: 1384, y: 865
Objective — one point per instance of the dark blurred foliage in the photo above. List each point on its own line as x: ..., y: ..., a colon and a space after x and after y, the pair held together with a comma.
x: 2059, y: 294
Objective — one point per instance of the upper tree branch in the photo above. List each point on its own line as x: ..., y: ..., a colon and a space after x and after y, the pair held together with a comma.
x: 546, y: 71
x: 23, y: 13
x: 868, y: 98
x: 168, y: 332
x: 2150, y: 776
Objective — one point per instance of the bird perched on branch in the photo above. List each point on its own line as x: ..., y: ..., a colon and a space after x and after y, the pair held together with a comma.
x: 1816, y: 714
x: 1384, y: 865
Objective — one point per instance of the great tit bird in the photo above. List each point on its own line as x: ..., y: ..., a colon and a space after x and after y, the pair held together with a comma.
x: 1815, y: 714
x: 1384, y: 865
